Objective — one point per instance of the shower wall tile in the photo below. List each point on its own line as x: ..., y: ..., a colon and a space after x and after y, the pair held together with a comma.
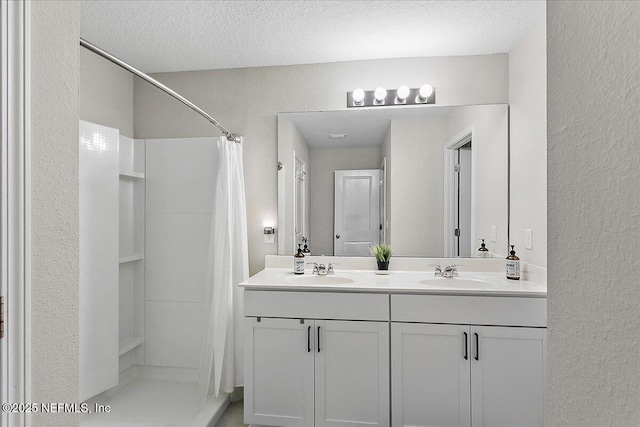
x: 181, y: 175
x: 180, y: 180
x: 173, y: 334
x: 176, y: 257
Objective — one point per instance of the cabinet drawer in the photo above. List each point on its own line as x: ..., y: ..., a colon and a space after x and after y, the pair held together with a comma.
x: 317, y: 305
x: 469, y: 310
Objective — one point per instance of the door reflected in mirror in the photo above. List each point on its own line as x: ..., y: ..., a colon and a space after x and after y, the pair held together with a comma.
x: 429, y: 181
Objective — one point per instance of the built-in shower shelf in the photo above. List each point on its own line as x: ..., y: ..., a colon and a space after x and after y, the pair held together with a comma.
x: 128, y: 345
x: 131, y: 258
x: 131, y: 175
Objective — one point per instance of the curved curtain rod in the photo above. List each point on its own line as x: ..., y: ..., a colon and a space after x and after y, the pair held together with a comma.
x: 106, y: 55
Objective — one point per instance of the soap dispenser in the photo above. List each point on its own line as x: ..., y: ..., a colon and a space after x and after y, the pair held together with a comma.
x: 306, y: 250
x: 513, y: 265
x: 483, y: 252
x: 298, y: 261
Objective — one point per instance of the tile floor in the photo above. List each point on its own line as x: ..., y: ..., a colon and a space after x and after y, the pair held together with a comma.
x: 233, y: 416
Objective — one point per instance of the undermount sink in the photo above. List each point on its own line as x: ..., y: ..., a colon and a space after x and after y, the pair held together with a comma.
x: 330, y: 279
x: 456, y: 282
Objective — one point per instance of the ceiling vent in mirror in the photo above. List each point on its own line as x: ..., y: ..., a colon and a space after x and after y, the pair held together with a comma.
x: 426, y: 94
x: 337, y: 135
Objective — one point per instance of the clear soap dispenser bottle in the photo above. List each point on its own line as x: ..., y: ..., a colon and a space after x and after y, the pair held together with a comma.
x: 483, y: 252
x: 513, y: 265
x: 298, y: 261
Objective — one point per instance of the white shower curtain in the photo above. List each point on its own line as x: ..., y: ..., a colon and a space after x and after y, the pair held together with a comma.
x: 222, y: 362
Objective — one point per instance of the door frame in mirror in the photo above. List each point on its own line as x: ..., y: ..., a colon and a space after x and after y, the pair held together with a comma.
x: 453, y: 144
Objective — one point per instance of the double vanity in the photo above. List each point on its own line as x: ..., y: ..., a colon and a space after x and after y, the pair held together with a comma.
x: 403, y: 349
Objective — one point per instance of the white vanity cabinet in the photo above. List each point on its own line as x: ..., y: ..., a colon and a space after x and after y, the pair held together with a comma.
x: 447, y: 370
x: 302, y: 369
x: 279, y: 372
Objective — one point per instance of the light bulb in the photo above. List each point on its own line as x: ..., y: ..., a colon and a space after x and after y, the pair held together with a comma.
x: 403, y: 92
x: 380, y: 94
x: 358, y: 96
x: 425, y: 92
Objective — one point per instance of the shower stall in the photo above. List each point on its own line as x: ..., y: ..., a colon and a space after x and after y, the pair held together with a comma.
x: 146, y: 212
x: 146, y: 209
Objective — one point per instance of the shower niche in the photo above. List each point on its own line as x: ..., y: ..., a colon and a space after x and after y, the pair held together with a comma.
x: 131, y: 251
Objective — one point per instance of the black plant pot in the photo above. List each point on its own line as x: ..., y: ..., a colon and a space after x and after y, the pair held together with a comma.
x: 383, y: 265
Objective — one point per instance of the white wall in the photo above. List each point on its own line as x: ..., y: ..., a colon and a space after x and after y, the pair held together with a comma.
x: 106, y: 93
x: 247, y: 102
x: 528, y: 127
x: 324, y: 162
x: 417, y: 186
x: 490, y: 153
x: 55, y: 29
x: 180, y: 183
x: 593, y: 206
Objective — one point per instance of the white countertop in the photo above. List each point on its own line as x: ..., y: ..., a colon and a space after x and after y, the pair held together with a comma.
x: 467, y: 283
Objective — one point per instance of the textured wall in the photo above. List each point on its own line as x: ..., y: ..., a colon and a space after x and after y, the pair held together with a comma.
x: 106, y: 93
x: 55, y: 28
x: 594, y: 213
x: 528, y: 127
x: 247, y: 101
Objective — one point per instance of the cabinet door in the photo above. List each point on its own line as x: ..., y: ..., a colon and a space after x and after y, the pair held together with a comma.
x: 352, y: 373
x: 278, y: 372
x: 430, y: 373
x: 508, y: 369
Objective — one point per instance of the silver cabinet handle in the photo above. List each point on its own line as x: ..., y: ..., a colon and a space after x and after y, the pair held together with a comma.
x: 466, y: 347
x: 477, y: 346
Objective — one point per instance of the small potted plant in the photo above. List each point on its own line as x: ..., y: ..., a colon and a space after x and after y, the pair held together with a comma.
x: 382, y: 254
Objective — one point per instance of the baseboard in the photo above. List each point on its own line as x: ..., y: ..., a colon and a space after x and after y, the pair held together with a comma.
x: 212, y: 411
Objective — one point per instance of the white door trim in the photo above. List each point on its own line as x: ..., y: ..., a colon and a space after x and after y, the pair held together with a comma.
x: 460, y: 139
x: 383, y: 201
x: 15, y: 178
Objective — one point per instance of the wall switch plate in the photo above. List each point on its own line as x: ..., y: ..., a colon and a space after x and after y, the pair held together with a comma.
x: 528, y: 238
x: 494, y: 233
x: 270, y: 238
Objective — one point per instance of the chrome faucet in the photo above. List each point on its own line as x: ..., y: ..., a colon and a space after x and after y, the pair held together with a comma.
x: 322, y: 270
x: 438, y: 270
x: 450, y: 271
x: 316, y: 269
x: 330, y: 269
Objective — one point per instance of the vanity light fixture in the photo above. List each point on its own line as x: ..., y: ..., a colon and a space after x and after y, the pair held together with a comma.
x: 423, y: 94
x: 404, y: 95
x: 358, y: 97
x: 380, y: 95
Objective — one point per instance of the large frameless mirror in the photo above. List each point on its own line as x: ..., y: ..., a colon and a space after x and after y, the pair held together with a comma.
x: 429, y: 181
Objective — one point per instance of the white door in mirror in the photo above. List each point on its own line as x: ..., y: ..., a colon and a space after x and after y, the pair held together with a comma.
x: 357, y: 211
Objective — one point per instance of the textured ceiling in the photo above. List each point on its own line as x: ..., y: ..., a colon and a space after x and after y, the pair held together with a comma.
x: 363, y: 128
x: 164, y: 35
